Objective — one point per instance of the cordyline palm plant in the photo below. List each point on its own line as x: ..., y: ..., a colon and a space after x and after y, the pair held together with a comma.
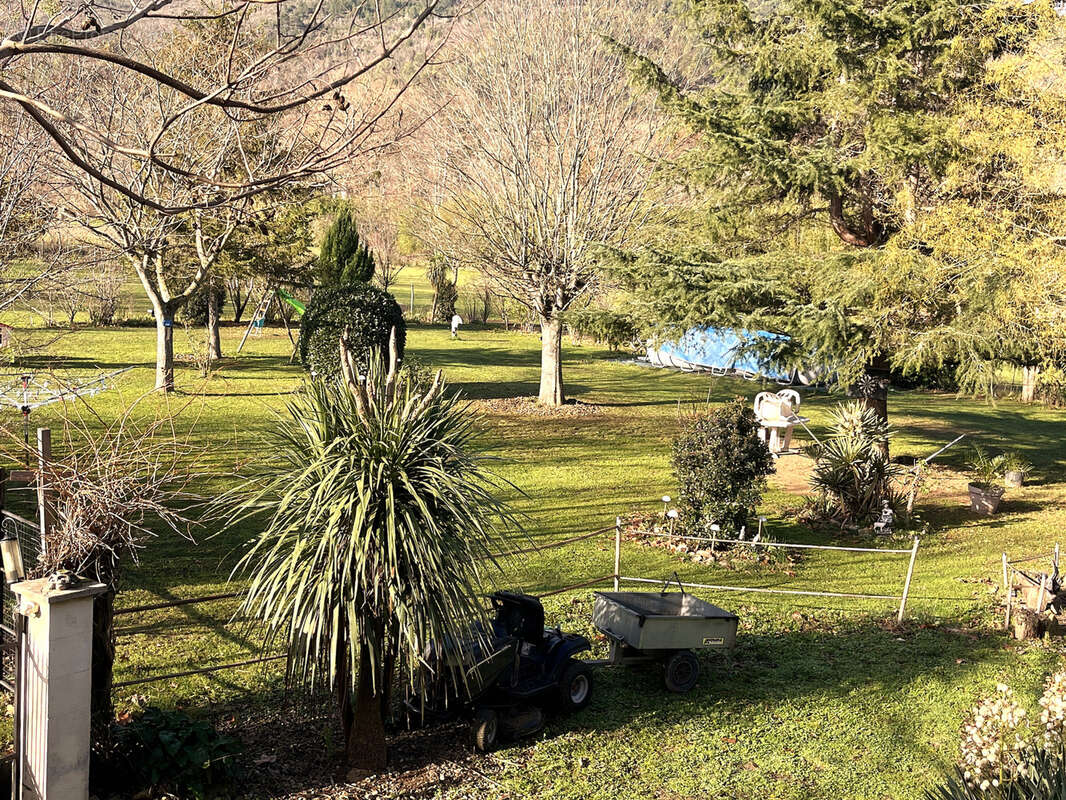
x: 380, y: 516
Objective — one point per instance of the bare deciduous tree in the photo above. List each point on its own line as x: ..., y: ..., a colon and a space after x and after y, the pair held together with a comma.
x: 172, y: 254
x: 166, y: 119
x: 24, y: 216
x: 540, y: 153
x: 267, y: 58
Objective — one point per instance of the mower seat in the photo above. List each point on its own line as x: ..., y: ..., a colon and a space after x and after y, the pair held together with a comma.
x: 519, y: 615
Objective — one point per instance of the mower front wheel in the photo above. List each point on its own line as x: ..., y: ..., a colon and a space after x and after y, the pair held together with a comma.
x: 575, y: 687
x: 486, y: 729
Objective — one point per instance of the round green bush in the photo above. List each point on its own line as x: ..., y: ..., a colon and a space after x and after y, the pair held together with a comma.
x: 369, y: 314
x: 721, y: 465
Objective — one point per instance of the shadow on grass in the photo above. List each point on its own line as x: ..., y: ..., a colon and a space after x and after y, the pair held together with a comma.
x: 47, y: 363
x: 943, y: 517
x: 181, y: 620
x: 793, y: 667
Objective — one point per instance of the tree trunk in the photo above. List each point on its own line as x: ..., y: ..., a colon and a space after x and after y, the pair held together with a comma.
x: 551, y: 361
x: 366, y: 748
x: 1029, y: 383
x: 164, y: 347
x: 866, y: 232
x: 342, y: 689
x: 214, y: 335
x: 872, y: 391
x: 238, y: 300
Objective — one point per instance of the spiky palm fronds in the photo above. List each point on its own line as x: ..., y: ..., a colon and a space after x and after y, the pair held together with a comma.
x: 853, y: 477
x: 379, y: 518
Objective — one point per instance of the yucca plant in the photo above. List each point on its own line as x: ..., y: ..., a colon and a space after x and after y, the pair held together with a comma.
x: 853, y: 477
x: 1043, y: 778
x: 379, y: 520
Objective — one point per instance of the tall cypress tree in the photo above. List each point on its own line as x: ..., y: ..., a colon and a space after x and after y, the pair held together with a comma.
x: 344, y: 259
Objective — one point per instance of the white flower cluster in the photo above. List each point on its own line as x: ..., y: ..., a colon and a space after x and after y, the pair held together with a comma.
x: 1053, y: 710
x: 992, y: 745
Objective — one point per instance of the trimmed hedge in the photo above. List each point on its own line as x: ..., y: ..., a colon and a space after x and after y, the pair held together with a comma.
x: 368, y: 312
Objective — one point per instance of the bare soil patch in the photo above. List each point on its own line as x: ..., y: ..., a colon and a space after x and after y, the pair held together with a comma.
x: 291, y: 757
x: 529, y: 406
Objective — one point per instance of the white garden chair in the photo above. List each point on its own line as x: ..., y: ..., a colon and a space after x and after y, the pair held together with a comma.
x: 776, y: 412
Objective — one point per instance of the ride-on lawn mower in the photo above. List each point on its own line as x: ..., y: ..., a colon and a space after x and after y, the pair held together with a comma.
x: 504, y: 679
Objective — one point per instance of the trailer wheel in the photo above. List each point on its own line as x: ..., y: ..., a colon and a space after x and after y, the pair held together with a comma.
x: 575, y: 686
x: 682, y: 671
x: 486, y: 729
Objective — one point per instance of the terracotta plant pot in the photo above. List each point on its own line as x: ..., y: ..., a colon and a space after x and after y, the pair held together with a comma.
x: 1013, y: 479
x: 985, y: 501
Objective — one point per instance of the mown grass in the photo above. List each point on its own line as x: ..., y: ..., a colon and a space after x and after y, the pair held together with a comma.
x: 822, y: 697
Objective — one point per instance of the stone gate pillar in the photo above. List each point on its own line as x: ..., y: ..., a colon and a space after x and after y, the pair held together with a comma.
x: 54, y: 689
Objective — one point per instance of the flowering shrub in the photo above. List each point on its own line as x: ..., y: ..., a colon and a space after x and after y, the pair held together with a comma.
x: 993, y: 749
x: 1053, y: 710
x: 1004, y: 757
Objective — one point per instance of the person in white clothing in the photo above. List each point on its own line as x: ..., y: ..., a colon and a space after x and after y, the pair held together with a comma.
x: 456, y: 322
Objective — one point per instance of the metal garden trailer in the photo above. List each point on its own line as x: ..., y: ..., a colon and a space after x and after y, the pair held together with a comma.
x: 663, y: 626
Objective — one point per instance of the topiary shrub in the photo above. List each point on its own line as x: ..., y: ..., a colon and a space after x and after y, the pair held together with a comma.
x: 369, y: 314
x: 721, y: 465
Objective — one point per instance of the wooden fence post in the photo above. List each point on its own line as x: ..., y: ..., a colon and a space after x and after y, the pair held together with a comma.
x: 907, y: 582
x: 617, y: 550
x: 45, y: 509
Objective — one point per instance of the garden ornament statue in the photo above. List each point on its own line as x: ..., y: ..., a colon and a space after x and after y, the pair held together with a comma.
x: 883, y: 526
x: 777, y: 417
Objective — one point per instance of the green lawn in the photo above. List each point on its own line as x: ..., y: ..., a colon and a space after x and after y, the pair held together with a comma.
x: 822, y: 698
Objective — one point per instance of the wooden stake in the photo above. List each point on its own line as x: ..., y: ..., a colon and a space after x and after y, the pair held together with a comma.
x: 45, y: 509
x: 1010, y: 602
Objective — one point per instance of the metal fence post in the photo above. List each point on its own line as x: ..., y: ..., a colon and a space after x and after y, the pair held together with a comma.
x: 617, y: 550
x: 1004, y: 570
x: 907, y: 582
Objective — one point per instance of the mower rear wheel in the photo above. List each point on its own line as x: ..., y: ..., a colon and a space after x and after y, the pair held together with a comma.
x: 486, y: 729
x: 682, y: 671
x: 575, y: 687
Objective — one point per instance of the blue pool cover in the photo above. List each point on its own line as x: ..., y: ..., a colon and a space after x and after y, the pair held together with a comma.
x: 718, y: 349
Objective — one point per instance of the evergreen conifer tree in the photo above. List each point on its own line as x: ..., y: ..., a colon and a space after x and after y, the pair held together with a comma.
x: 825, y: 138
x: 344, y: 259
